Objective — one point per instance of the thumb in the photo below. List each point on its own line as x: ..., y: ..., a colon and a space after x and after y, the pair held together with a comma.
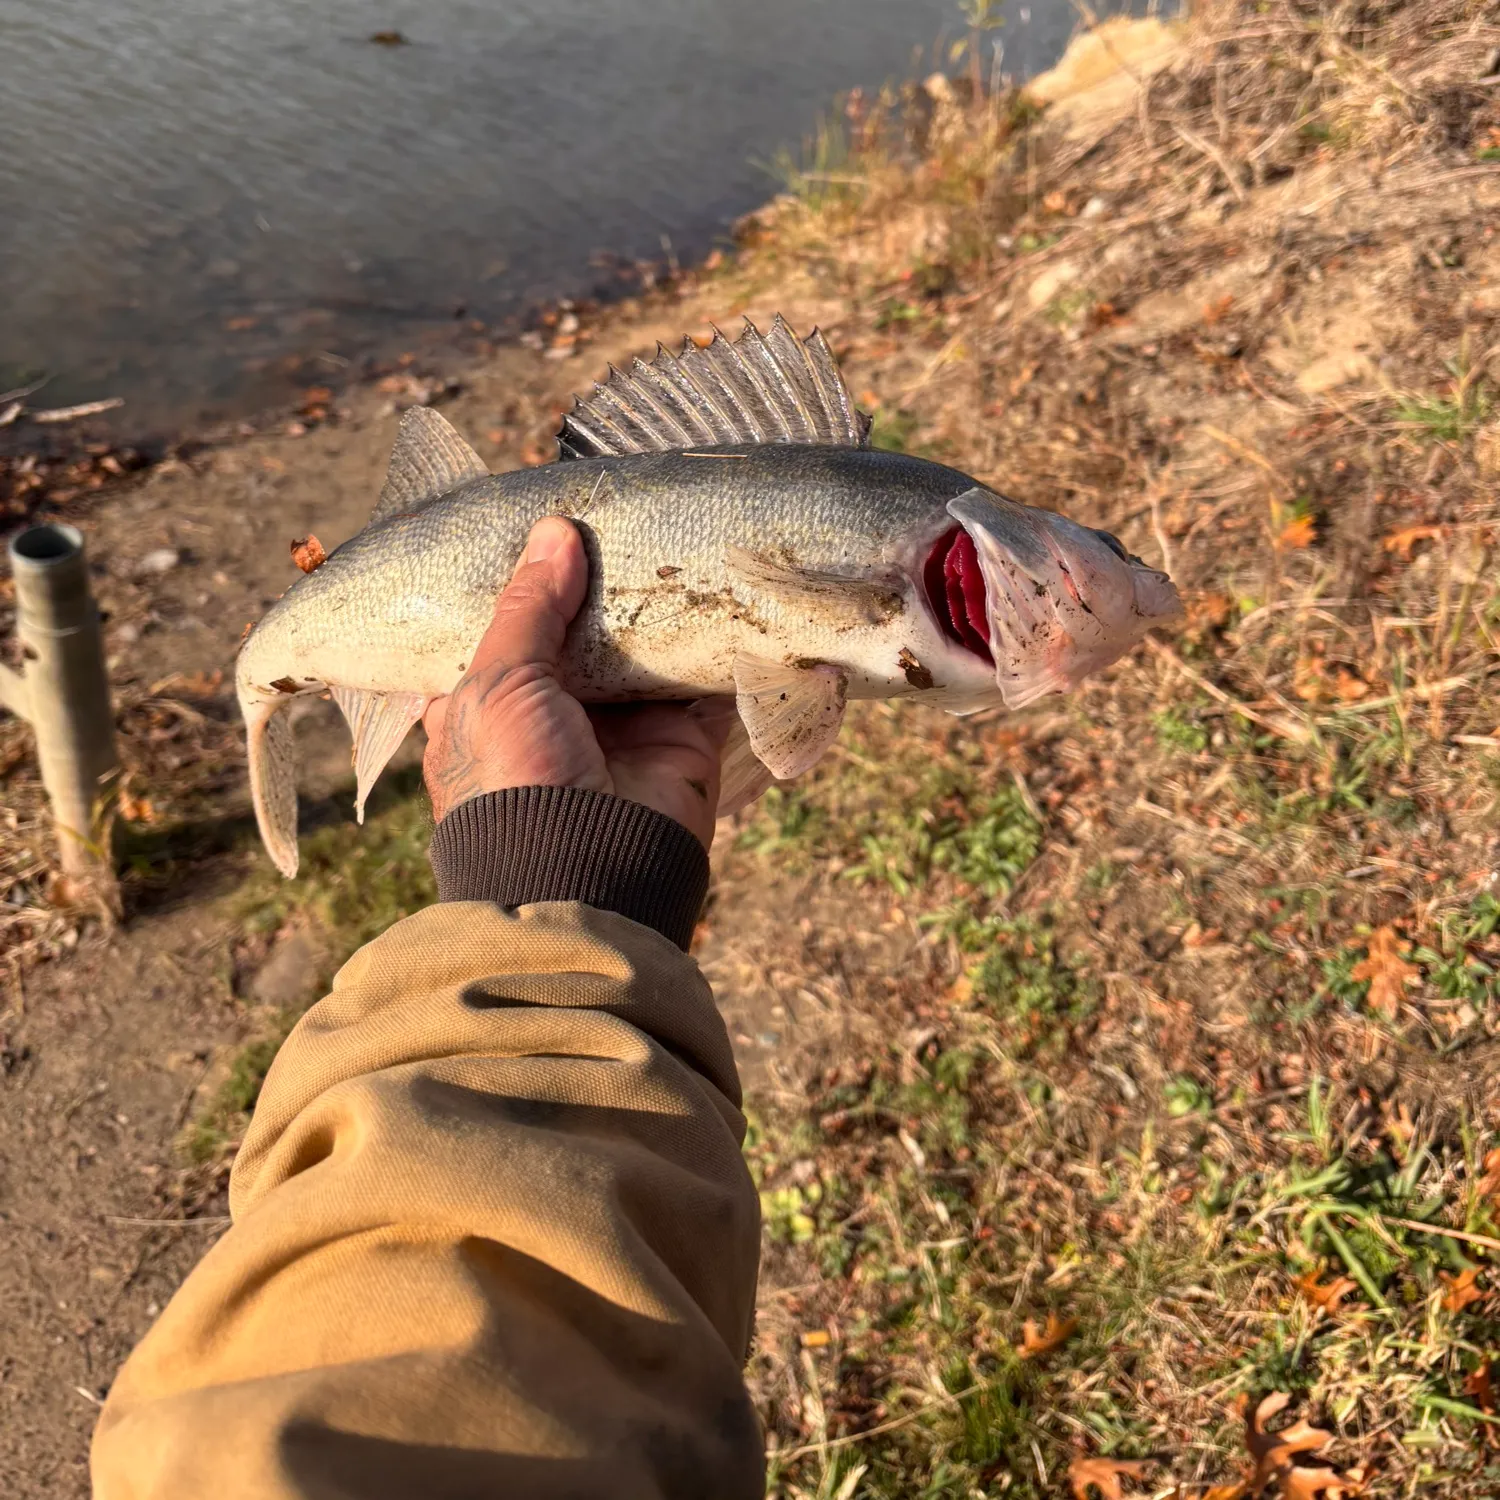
x: 536, y: 607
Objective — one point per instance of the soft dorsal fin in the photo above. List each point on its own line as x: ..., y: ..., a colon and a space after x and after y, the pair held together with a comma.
x: 772, y: 388
x: 429, y: 459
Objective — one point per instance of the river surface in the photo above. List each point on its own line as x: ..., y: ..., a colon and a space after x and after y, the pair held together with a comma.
x: 202, y: 198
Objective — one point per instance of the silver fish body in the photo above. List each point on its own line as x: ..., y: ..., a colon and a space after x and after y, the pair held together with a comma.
x: 790, y: 575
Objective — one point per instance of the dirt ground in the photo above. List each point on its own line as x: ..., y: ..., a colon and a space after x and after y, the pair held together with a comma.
x: 1113, y: 1068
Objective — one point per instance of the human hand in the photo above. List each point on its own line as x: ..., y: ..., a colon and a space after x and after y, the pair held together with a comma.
x: 510, y: 723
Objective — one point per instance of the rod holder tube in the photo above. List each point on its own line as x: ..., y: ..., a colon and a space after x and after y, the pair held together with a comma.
x: 66, y: 695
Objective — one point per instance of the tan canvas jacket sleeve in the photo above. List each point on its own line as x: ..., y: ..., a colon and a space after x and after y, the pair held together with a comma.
x: 493, y: 1235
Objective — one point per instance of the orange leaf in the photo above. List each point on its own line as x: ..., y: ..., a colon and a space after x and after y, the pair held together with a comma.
x: 1273, y: 1451
x: 1306, y: 1484
x: 1104, y: 1474
x: 308, y: 554
x: 136, y: 809
x: 1299, y: 532
x: 1403, y: 541
x: 1348, y: 686
x: 1037, y: 1341
x: 1325, y: 1295
x: 1478, y: 1385
x: 1461, y: 1289
x: 1387, y: 970
x: 1216, y: 312
x: 1238, y: 1491
x: 1489, y: 1185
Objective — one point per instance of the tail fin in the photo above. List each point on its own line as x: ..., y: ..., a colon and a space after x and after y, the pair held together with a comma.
x: 273, y: 779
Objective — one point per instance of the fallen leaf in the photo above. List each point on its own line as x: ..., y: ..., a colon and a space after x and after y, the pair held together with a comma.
x: 136, y: 809
x: 1104, y: 1474
x: 1387, y: 970
x: 816, y: 1338
x: 1348, y: 686
x: 1299, y: 532
x: 1461, y: 1289
x: 1325, y: 1295
x: 1055, y: 202
x: 1489, y: 1185
x: 1403, y: 541
x: 1274, y: 1451
x: 1216, y: 312
x: 239, y: 325
x: 1240, y: 1491
x: 308, y: 554
x: 1305, y: 1484
x: 1037, y: 1341
x: 1209, y: 611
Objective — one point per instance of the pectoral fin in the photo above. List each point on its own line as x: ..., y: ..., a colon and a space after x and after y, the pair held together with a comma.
x: 791, y: 713
x: 378, y: 722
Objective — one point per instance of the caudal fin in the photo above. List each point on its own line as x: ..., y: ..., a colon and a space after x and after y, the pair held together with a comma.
x: 273, y: 779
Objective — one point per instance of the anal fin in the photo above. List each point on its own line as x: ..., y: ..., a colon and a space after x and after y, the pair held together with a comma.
x: 378, y: 722
x: 791, y: 713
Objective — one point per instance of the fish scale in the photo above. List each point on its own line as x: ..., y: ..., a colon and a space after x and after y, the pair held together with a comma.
x: 792, y: 575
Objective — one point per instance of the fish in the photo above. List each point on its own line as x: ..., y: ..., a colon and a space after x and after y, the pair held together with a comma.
x: 745, y: 540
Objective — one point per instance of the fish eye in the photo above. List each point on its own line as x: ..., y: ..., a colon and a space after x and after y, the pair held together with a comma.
x: 1114, y: 544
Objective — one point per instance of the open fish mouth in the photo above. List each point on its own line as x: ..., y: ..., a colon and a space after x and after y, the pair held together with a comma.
x: 1043, y: 599
x: 954, y: 582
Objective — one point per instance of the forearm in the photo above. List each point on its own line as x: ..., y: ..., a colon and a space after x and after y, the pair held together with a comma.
x: 493, y: 1233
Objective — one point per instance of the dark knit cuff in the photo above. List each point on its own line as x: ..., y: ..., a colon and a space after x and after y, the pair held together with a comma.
x: 561, y: 843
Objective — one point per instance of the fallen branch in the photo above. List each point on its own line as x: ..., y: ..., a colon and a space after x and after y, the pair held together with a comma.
x: 1297, y: 733
x: 73, y: 413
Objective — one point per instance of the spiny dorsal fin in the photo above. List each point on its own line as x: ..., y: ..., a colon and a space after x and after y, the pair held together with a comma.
x: 772, y: 388
x: 429, y: 459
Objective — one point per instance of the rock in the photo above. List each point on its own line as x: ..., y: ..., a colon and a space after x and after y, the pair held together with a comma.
x: 158, y: 562
x: 1051, y: 281
x: 1344, y: 367
x: 1095, y: 208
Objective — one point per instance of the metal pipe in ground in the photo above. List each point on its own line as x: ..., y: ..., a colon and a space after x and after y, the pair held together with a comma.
x: 63, y: 691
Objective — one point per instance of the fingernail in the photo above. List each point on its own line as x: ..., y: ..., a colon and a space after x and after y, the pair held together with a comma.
x: 548, y: 537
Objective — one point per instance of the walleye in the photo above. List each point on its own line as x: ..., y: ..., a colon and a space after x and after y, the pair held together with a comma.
x: 743, y: 539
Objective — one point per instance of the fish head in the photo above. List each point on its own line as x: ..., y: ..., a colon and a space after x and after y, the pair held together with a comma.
x: 1047, y: 600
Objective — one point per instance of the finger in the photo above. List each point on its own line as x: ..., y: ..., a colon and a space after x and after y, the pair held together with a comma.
x: 433, y: 717
x: 647, y: 726
x: 536, y: 607
x: 717, y: 716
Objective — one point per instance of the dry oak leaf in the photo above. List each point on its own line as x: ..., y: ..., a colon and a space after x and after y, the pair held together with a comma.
x: 1403, y: 541
x: 1387, y: 970
x: 1299, y: 532
x: 1461, y: 1289
x: 1104, y: 1474
x: 1274, y: 1451
x: 1325, y: 1295
x: 1037, y: 1341
x: 1489, y: 1184
x: 1307, y: 1484
x: 308, y: 554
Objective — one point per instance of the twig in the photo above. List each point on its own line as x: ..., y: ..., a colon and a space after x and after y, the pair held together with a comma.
x: 11, y: 412
x: 1216, y: 156
x: 166, y: 1223
x: 869, y: 1432
x: 73, y: 413
x: 1451, y: 1234
x: 1285, y: 728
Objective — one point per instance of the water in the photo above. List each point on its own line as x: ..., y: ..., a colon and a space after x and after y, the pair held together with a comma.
x: 202, y: 200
